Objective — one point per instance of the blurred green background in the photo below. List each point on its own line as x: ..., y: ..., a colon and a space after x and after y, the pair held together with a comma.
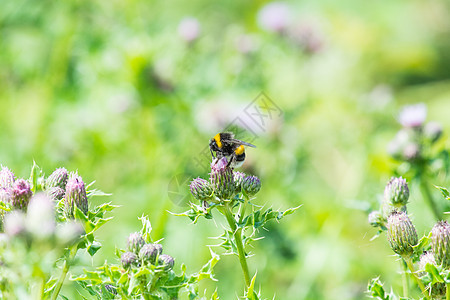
x: 129, y: 93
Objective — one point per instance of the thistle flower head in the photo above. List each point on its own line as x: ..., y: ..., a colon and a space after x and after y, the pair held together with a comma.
x: 5, y: 195
x: 238, y: 179
x: 75, y: 195
x: 167, y: 261
x: 201, y: 189
x: 274, y: 17
x: 129, y: 259
x: 148, y: 253
x: 135, y: 242
x: 396, y: 191
x: 57, y: 179
x: 159, y: 248
x: 440, y: 243
x: 251, y: 185
x: 376, y: 219
x: 401, y: 233
x: 56, y: 193
x: 413, y: 115
x: 21, y: 194
x: 222, y: 180
x: 433, y: 131
x: 7, y: 178
x: 426, y: 258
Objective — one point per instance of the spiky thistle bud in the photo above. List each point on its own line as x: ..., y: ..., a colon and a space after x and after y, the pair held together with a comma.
x: 201, y: 189
x: 401, y: 233
x: 251, y: 185
x: 129, y: 259
x: 440, y: 243
x: 222, y: 180
x: 167, y: 261
x: 135, y: 242
x: 427, y: 257
x: 56, y: 193
x: 159, y: 248
x: 238, y: 179
x: 21, y: 194
x: 7, y: 178
x: 75, y: 195
x: 57, y: 179
x: 148, y: 253
x: 111, y: 289
x: 396, y: 191
x: 376, y: 219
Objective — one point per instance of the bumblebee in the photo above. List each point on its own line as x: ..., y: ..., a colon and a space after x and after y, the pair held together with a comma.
x: 225, y: 145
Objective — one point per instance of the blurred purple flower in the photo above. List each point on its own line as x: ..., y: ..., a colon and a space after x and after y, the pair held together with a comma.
x: 274, y: 17
x: 307, y: 36
x: 14, y: 223
x: 40, y: 220
x: 189, y: 29
x: 245, y: 44
x: 413, y: 115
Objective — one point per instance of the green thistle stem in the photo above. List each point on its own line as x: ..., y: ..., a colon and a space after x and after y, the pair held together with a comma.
x: 237, y: 234
x: 447, y: 285
x: 418, y: 281
x: 405, y: 279
x: 66, y: 266
x: 429, y: 199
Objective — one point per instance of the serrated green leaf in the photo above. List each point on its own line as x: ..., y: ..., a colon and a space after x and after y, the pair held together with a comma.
x: 434, y: 273
x: 93, y: 247
x: 423, y: 243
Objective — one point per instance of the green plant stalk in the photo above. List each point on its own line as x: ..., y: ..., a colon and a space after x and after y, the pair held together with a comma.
x: 405, y: 282
x: 238, y: 240
x: 66, y: 266
x: 447, y: 285
x: 429, y: 199
x: 409, y: 263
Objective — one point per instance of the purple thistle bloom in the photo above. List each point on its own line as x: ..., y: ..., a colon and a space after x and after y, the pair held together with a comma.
x: 75, y: 195
x: 222, y: 179
x: 21, y: 194
x: 7, y: 178
x: 135, y: 242
x: 238, y: 179
x: 149, y: 253
x: 274, y: 17
x: 56, y: 193
x: 57, y: 179
x: 413, y: 115
x: 167, y: 261
x: 251, y: 185
x: 129, y: 259
x: 201, y: 189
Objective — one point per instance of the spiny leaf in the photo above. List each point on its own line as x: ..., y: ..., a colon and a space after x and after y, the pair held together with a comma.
x: 444, y: 192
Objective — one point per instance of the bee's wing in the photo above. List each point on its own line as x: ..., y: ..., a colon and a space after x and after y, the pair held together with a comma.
x: 243, y: 143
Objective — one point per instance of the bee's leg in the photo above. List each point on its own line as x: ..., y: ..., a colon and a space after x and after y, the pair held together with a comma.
x: 231, y: 160
x: 212, y: 154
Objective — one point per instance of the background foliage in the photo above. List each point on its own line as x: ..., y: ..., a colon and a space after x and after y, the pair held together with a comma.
x: 111, y: 89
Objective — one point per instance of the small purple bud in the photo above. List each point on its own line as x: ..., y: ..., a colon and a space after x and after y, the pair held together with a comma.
x: 167, y: 261
x: 135, y: 242
x: 376, y: 219
x: 129, y: 259
x: 5, y: 195
x: 148, y: 253
x: 189, y: 29
x: 433, y: 131
x: 56, y: 193
x: 159, y: 248
x: 7, y: 178
x: 274, y: 17
x: 222, y: 180
x: 57, y: 179
x: 75, y: 195
x: 440, y: 243
x: 401, y: 233
x: 21, y: 194
x: 238, y: 179
x: 201, y: 189
x: 251, y: 185
x: 413, y: 115
x: 396, y: 191
x: 111, y: 289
